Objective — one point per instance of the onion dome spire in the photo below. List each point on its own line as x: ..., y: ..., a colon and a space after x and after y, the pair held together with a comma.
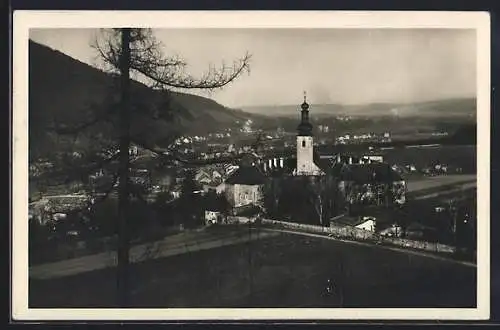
x: 305, y: 127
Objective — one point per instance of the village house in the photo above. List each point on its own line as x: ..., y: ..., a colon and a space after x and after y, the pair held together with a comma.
x: 212, y: 217
x: 245, y: 186
x: 216, y: 209
x: 211, y: 178
x: 367, y: 223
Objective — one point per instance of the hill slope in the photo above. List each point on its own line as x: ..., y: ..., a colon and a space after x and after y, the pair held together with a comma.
x: 63, y: 90
x: 441, y: 108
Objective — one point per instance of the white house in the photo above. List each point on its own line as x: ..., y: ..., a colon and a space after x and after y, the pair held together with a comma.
x: 245, y: 186
x: 212, y: 217
x: 367, y: 224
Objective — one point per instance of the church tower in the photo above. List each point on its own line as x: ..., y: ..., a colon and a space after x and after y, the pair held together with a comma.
x: 305, y: 147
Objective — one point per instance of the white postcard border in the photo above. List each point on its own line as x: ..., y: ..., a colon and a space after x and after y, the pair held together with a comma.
x: 25, y: 20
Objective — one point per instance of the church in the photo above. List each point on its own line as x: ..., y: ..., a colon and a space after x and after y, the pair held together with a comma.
x: 307, y: 161
x: 325, y: 185
x: 301, y: 187
x: 248, y: 185
x: 306, y: 164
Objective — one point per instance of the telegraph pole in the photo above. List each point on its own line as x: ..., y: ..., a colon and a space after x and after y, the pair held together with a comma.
x: 342, y: 277
x: 123, y: 189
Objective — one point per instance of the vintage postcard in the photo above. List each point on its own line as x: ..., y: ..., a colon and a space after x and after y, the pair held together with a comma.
x: 181, y: 166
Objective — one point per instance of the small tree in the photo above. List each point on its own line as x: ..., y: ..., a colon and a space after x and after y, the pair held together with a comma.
x: 272, y: 195
x: 163, y: 206
x: 317, y: 198
x: 190, y: 202
x: 322, y: 195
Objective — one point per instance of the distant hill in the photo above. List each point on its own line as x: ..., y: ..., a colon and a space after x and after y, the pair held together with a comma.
x: 442, y: 108
x: 64, y: 90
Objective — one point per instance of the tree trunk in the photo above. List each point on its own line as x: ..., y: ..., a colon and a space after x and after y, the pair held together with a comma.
x: 123, y: 194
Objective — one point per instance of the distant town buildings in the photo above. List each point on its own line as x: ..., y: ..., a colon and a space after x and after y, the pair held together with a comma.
x: 323, y: 128
x: 247, y: 126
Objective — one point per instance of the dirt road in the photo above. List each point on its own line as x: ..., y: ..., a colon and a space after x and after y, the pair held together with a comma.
x: 169, y: 246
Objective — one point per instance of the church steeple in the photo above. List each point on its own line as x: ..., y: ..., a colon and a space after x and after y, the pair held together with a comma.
x: 305, y: 144
x: 305, y: 127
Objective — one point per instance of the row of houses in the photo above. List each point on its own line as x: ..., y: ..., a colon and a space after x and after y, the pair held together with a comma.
x: 359, y: 178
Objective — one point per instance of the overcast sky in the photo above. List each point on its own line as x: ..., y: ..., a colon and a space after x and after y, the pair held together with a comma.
x: 348, y: 66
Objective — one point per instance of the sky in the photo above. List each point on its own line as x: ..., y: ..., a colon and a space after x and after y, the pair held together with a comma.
x: 343, y: 66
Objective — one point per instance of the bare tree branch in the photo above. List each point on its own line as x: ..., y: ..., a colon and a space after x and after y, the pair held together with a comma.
x: 165, y: 77
x: 164, y: 72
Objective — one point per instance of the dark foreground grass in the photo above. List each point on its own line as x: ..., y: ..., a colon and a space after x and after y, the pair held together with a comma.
x: 284, y: 271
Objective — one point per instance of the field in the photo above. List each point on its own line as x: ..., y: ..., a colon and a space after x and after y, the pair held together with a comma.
x: 283, y: 271
x: 454, y: 156
x: 440, y: 183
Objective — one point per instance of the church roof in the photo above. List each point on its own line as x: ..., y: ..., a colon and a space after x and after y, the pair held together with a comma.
x: 324, y: 164
x: 249, y: 175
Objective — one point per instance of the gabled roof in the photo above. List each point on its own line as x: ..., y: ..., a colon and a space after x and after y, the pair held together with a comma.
x: 351, y: 221
x: 247, y: 210
x: 337, y: 169
x: 249, y: 175
x: 324, y: 164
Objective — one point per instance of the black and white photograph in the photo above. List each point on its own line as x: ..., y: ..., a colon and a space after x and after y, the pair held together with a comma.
x: 309, y: 165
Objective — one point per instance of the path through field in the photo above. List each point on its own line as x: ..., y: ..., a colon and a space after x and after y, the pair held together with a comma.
x: 169, y: 246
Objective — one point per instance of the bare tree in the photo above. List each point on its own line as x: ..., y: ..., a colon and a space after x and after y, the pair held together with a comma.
x: 127, y: 51
x: 123, y: 197
x: 127, y: 54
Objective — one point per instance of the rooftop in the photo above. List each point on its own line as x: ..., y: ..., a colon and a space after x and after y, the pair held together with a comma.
x: 249, y: 175
x: 352, y: 221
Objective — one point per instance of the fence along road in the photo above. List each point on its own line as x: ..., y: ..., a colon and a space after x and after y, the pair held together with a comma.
x: 423, y: 254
